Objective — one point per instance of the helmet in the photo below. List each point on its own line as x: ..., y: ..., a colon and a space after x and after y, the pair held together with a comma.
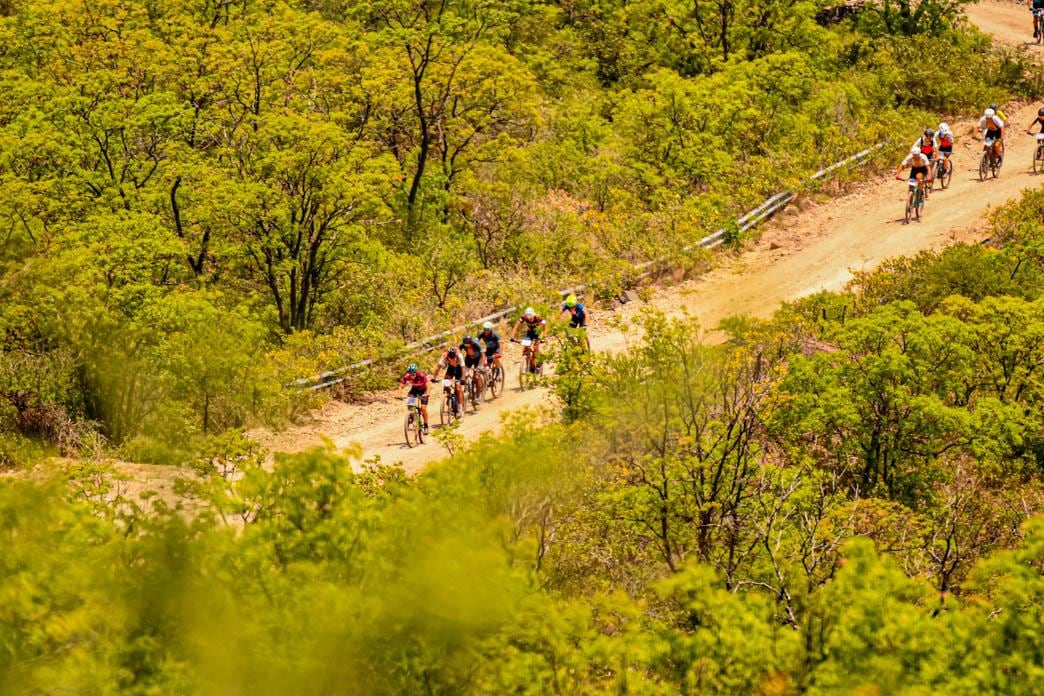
x: 915, y: 150
x: 468, y: 339
x: 570, y: 301
x: 452, y: 352
x: 944, y: 127
x: 529, y: 313
x: 412, y: 369
x: 993, y: 106
x: 1040, y: 111
x: 929, y: 133
x: 487, y: 326
x: 989, y: 113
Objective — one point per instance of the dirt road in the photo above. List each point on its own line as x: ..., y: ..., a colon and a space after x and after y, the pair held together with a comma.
x: 1007, y: 22
x: 801, y: 253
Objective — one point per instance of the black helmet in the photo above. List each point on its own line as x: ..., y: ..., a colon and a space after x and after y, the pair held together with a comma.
x: 1040, y: 111
x: 929, y: 133
x: 993, y: 106
x: 452, y: 352
x: 468, y: 339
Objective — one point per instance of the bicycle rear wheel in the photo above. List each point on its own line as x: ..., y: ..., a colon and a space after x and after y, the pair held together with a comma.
x: 1038, y: 160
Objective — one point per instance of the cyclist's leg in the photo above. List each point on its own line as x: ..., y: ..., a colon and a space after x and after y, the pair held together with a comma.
x: 423, y: 396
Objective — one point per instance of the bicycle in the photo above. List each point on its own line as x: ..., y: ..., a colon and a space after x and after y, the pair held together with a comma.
x: 527, y: 369
x: 449, y: 410
x: 942, y: 174
x: 413, y: 427
x: 915, y: 199
x: 1038, y: 152
x: 991, y: 162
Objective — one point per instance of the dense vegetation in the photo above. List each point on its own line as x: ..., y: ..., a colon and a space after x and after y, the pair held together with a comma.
x: 845, y: 500
x: 201, y: 201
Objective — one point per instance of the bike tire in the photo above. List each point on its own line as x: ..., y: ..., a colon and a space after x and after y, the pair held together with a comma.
x: 469, y: 395
x: 1038, y: 160
x: 984, y: 166
x: 946, y: 176
x: 446, y: 409
x: 909, y: 206
x: 410, y: 430
x: 496, y: 382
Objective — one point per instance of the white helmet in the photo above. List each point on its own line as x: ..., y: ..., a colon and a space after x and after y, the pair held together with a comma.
x: 487, y: 325
x: 989, y: 113
x: 944, y: 127
x: 915, y: 150
x: 529, y: 313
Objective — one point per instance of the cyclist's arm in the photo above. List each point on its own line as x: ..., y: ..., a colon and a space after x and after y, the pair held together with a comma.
x: 514, y: 329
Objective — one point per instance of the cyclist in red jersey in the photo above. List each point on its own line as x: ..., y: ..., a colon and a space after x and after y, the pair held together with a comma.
x: 417, y: 381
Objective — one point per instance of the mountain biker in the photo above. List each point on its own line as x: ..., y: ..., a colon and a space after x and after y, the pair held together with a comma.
x: 927, y: 145
x: 946, y: 140
x: 492, y: 340
x: 1036, y: 6
x: 534, y: 324
x: 577, y: 313
x: 454, y: 367
x: 992, y: 127
x: 473, y: 357
x: 1000, y: 114
x: 418, y: 384
x: 919, y: 165
x: 1038, y: 121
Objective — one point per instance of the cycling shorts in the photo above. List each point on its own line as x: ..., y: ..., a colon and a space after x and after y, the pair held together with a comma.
x: 455, y: 372
x: 993, y: 134
x: 422, y: 392
x: 492, y: 353
x: 470, y: 361
x: 923, y: 171
x: 946, y: 149
x: 533, y: 334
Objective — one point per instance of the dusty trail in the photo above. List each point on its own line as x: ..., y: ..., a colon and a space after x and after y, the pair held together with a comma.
x: 1008, y: 23
x: 801, y: 253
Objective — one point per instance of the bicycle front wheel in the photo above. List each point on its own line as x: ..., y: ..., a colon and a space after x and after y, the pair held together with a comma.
x: 446, y: 409
x: 411, y: 430
x: 984, y: 166
x: 496, y: 382
x: 909, y: 206
x: 1038, y: 160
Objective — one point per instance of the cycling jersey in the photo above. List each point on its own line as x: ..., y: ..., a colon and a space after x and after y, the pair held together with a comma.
x: 578, y: 318
x: 454, y: 370
x: 471, y: 347
x: 492, y: 341
x: 532, y: 326
x: 417, y: 381
x: 992, y: 126
x: 926, y: 146
x: 945, y: 141
x: 918, y: 161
